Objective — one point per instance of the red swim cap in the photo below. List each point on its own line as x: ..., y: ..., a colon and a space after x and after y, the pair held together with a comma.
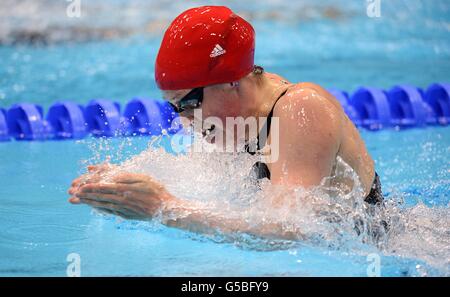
x: 204, y: 46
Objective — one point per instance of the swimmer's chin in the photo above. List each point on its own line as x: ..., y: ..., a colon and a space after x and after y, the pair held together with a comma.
x: 210, y: 135
x: 210, y: 139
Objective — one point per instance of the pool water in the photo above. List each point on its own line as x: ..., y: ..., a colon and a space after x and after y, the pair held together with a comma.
x: 39, y: 228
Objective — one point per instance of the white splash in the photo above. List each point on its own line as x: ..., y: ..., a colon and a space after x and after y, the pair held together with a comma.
x: 329, y: 216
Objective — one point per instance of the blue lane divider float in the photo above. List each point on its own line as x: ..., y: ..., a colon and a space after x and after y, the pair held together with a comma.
x: 438, y: 98
x: 407, y: 107
x: 26, y: 122
x: 368, y: 107
x: 4, y: 134
x: 103, y: 118
x: 148, y: 117
x: 373, y: 107
x: 67, y: 120
x: 350, y: 110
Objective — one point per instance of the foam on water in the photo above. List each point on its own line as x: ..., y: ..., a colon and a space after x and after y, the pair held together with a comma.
x: 324, y: 216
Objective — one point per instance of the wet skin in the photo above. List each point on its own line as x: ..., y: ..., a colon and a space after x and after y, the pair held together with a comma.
x: 313, y: 132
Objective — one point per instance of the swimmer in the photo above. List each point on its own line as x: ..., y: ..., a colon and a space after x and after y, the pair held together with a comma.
x: 206, y: 62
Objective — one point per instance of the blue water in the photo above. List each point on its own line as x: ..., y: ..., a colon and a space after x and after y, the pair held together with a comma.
x: 410, y: 43
x: 39, y: 228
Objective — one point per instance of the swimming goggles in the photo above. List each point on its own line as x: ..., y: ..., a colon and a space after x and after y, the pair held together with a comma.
x: 191, y: 101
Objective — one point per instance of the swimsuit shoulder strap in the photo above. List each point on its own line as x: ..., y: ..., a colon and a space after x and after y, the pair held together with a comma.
x: 260, y: 170
x: 268, y: 122
x: 260, y: 144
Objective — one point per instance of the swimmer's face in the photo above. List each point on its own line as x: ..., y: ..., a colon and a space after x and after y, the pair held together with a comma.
x: 219, y: 102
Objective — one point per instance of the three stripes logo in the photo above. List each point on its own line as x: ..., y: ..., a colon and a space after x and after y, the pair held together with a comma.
x: 217, y: 51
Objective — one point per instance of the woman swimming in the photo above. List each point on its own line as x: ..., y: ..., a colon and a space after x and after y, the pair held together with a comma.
x: 206, y: 63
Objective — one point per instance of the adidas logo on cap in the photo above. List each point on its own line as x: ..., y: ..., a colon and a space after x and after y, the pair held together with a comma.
x: 217, y: 51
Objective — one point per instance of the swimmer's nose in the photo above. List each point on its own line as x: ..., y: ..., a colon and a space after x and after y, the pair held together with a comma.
x: 187, y: 114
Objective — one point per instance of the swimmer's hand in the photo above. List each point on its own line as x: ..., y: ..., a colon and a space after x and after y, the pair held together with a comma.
x: 95, y: 174
x: 129, y: 195
x: 140, y: 197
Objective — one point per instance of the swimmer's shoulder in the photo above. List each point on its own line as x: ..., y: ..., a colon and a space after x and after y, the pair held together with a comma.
x: 309, y: 120
x: 302, y: 99
x: 309, y: 88
x: 307, y: 94
x: 305, y: 90
x: 308, y: 105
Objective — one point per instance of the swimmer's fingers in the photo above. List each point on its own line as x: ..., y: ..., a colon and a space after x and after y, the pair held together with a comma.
x: 77, y: 183
x: 74, y: 200
x: 130, y: 178
x: 105, y: 203
x: 111, y: 208
x: 136, y: 192
x: 112, y: 212
x: 93, y: 175
x: 100, y: 167
x: 105, y: 210
x: 114, y: 193
x: 86, y: 197
x: 103, y: 188
x: 93, y: 168
x: 101, y: 196
x: 84, y: 179
x: 100, y: 204
x: 72, y: 190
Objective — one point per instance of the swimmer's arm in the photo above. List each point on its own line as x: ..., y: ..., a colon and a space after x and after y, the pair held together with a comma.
x: 310, y: 128
x: 138, y: 196
x: 199, y: 218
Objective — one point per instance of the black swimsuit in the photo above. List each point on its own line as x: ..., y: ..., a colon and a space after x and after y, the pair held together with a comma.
x: 260, y: 169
